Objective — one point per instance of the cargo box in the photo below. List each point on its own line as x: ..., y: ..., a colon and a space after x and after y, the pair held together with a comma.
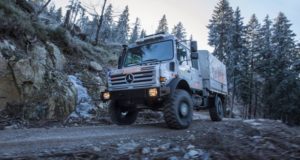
x: 213, y: 72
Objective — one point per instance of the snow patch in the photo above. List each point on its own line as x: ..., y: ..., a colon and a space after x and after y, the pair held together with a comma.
x: 252, y: 122
x: 84, y: 101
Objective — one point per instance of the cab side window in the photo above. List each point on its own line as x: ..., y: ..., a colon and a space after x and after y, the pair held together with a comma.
x: 182, y: 54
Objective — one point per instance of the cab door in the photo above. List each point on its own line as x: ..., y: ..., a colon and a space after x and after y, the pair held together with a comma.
x: 196, y: 75
x: 184, y: 64
x: 188, y: 69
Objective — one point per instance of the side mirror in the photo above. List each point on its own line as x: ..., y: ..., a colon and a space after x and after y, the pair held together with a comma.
x: 194, y: 55
x: 194, y: 46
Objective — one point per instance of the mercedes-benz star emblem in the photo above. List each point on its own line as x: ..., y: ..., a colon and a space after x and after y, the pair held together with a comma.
x: 129, y: 78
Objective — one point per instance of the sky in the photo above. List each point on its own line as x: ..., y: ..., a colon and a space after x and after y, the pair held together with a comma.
x: 195, y: 14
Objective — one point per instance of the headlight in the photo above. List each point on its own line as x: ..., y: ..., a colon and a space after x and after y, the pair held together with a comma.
x: 162, y: 79
x: 106, y: 95
x: 153, y: 92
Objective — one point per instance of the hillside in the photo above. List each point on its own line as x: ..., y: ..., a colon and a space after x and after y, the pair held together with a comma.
x: 46, y: 73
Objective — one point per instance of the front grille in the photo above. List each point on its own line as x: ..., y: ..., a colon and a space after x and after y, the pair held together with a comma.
x: 145, y: 76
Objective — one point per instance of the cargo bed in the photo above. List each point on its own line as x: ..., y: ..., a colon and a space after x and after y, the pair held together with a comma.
x: 213, y: 72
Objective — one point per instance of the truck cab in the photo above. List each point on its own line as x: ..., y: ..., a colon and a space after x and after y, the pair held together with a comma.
x: 162, y: 73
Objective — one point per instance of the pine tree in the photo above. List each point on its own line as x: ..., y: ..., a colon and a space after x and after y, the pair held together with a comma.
x: 234, y: 68
x: 52, y: 9
x: 253, y: 49
x: 59, y: 15
x: 266, y: 47
x: 179, y: 31
x: 143, y: 33
x: 264, y: 64
x: 163, y: 25
x: 122, y: 28
x: 283, y: 103
x: 220, y: 30
x: 91, y: 28
x: 106, y: 29
x: 135, y: 32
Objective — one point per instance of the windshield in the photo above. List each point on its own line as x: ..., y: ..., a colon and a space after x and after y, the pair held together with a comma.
x: 153, y: 52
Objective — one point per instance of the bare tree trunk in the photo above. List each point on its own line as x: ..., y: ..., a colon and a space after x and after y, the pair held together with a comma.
x: 255, y: 100
x: 77, y: 6
x: 100, y: 23
x: 43, y: 8
x: 233, y: 96
x: 67, y: 20
x: 245, y: 111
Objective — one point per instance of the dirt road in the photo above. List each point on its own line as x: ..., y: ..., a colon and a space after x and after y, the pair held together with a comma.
x: 229, y: 139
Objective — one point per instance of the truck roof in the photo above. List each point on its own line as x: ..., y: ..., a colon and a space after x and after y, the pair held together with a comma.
x: 153, y: 38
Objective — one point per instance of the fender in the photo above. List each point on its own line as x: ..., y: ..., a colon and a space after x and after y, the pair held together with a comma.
x: 179, y: 83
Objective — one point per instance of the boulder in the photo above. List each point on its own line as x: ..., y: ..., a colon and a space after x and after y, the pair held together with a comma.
x: 56, y: 57
x: 61, y: 105
x: 95, y: 66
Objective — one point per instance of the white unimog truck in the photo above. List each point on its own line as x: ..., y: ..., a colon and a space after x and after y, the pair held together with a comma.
x: 161, y: 73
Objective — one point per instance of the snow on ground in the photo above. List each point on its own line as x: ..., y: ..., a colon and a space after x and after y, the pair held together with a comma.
x: 84, y: 101
x: 253, y: 122
x: 200, y: 115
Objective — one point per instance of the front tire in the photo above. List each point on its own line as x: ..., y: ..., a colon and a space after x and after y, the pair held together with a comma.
x: 121, y: 115
x: 216, y: 109
x: 178, y: 112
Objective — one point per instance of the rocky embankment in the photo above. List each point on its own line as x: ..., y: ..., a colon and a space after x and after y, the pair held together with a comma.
x: 33, y: 83
x: 36, y: 63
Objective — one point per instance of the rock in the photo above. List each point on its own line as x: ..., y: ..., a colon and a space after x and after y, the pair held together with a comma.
x: 192, y: 137
x: 146, y: 150
x: 155, y: 149
x: 24, y: 73
x: 99, y: 80
x: 56, y: 101
x: 7, y: 45
x: 189, y: 147
x: 14, y: 126
x: 193, y: 154
x: 173, y: 158
x: 9, y: 92
x: 205, y: 156
x: 164, y: 147
x: 176, y: 149
x: 56, y: 57
x: 34, y: 79
x: 95, y: 66
x: 96, y: 149
x: 127, y: 147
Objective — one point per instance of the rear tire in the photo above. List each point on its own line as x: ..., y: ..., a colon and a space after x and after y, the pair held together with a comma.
x: 178, y: 110
x: 122, y: 115
x: 216, y: 109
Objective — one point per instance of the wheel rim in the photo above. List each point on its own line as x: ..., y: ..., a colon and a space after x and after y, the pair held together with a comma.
x: 220, y: 108
x: 184, y: 109
x: 124, y: 114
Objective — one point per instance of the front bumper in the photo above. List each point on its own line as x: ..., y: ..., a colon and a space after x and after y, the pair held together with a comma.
x: 137, y: 96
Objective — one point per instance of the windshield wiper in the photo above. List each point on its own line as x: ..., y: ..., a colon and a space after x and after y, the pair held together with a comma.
x: 150, y: 60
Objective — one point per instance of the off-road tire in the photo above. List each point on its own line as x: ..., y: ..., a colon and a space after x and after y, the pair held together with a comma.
x: 120, y: 115
x: 172, y: 114
x: 216, y: 109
